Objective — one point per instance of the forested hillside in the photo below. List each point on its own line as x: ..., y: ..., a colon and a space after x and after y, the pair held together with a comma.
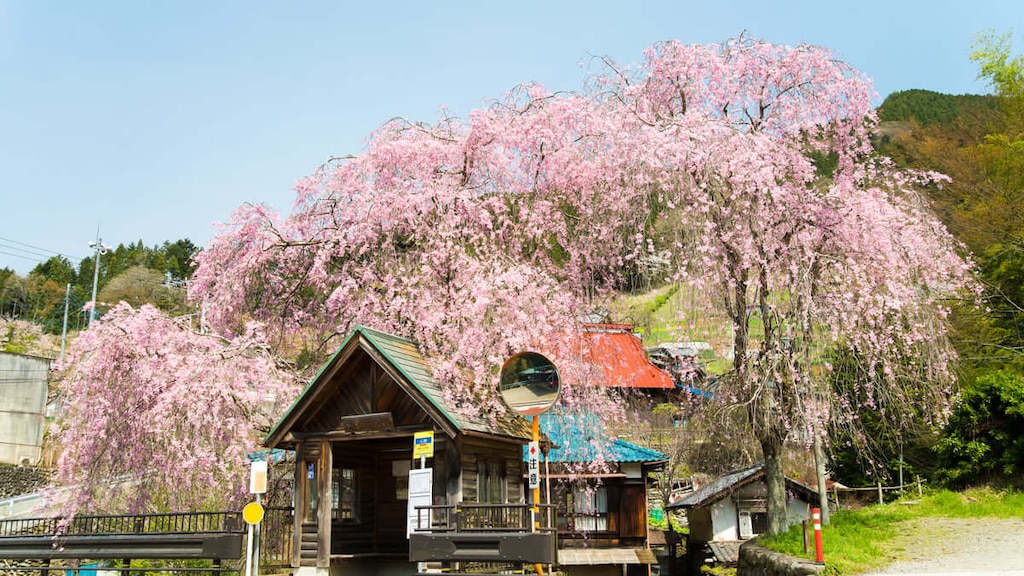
x: 135, y: 273
x: 977, y: 142
x: 926, y: 108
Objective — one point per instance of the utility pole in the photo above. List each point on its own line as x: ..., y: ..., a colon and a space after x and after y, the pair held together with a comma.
x: 64, y: 330
x: 100, y: 249
x: 819, y: 469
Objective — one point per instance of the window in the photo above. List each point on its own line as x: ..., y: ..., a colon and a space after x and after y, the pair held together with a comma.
x: 345, y: 496
x: 759, y: 522
x: 490, y: 482
x: 312, y: 492
x: 588, y: 506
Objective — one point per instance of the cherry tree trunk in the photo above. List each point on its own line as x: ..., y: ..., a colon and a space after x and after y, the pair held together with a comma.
x: 775, y: 478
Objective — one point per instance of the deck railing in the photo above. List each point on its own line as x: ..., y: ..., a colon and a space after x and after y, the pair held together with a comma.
x: 507, y: 534
x: 471, y: 517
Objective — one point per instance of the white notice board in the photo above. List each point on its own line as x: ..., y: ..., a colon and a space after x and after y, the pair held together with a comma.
x: 421, y: 485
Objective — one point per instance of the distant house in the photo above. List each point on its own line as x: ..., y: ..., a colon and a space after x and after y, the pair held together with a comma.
x: 615, y: 358
x: 22, y: 407
x: 601, y: 511
x: 732, y: 509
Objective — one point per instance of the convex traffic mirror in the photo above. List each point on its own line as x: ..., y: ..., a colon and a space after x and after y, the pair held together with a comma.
x: 529, y: 383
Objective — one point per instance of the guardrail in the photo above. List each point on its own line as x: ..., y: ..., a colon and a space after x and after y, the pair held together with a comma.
x: 18, y: 505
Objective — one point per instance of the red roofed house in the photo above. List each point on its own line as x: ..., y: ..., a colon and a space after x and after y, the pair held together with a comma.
x: 615, y: 358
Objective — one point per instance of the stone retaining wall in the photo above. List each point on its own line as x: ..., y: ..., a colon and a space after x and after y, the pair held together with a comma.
x: 758, y: 561
x: 16, y: 480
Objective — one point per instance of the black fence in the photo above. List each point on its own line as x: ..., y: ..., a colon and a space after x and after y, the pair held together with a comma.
x: 276, y: 533
x: 187, y: 542
x: 178, y: 523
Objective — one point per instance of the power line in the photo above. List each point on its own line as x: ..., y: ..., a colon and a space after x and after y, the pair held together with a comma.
x: 34, y: 250
x: 34, y: 257
x: 26, y: 251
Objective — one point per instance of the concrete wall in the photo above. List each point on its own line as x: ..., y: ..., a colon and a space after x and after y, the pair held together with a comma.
x: 725, y: 517
x: 758, y: 561
x: 23, y: 387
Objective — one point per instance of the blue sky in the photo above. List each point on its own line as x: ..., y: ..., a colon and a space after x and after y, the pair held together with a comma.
x: 152, y: 120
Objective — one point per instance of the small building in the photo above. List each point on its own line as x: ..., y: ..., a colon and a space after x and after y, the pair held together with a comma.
x: 601, y: 512
x: 22, y: 407
x: 733, y: 508
x: 352, y: 430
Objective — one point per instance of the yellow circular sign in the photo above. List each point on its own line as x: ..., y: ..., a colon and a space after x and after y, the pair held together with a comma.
x: 252, y: 513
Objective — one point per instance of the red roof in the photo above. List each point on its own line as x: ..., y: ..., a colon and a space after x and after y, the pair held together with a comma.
x: 618, y: 355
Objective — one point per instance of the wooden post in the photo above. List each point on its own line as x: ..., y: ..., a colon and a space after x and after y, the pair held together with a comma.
x: 807, y: 537
x: 323, y: 511
x: 920, y: 493
x: 881, y: 499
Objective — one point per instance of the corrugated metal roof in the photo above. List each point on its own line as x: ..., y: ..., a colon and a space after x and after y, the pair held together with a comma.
x: 711, y: 492
x: 605, y: 556
x: 726, y: 552
x: 579, y: 438
x: 724, y: 486
x: 405, y: 356
x: 619, y: 357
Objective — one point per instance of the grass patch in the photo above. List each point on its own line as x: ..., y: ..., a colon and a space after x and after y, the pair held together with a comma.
x: 853, y: 542
x: 973, y: 503
x: 858, y: 541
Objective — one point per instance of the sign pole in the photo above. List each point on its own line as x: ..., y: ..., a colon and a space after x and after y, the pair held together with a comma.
x: 535, y: 471
x: 535, y: 479
x: 248, y: 553
x: 253, y: 515
x: 256, y: 540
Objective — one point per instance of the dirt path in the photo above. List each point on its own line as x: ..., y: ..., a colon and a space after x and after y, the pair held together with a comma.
x: 948, y: 546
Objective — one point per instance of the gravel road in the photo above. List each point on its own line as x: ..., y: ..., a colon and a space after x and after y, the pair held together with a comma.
x: 947, y: 546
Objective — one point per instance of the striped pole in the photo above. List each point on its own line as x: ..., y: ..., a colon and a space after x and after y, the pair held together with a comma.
x: 819, y: 554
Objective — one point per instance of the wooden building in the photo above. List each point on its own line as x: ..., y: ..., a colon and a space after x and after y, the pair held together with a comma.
x: 352, y: 431
x: 601, y: 511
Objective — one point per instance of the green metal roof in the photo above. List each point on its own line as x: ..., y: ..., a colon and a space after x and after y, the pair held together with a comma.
x: 404, y: 357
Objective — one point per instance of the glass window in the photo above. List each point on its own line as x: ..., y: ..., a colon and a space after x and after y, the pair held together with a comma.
x: 589, y: 508
x: 312, y: 491
x: 345, y: 495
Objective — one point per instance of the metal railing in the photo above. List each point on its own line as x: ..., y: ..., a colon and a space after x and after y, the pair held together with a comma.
x: 178, y: 523
x: 276, y: 533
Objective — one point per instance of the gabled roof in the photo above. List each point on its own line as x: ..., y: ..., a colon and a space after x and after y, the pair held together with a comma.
x: 726, y: 485
x: 579, y: 439
x: 618, y: 358
x: 401, y: 358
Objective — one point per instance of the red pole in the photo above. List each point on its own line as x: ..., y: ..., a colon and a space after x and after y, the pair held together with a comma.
x: 819, y: 554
